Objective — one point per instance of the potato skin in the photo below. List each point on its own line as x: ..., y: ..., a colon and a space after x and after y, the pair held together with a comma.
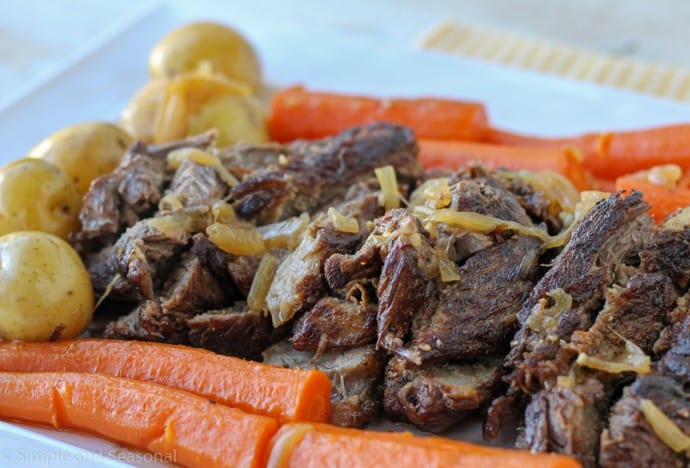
x: 36, y: 195
x: 45, y: 289
x: 84, y: 151
x: 197, y: 44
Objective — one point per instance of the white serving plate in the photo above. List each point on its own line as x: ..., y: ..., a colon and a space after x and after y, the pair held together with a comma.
x: 100, y: 83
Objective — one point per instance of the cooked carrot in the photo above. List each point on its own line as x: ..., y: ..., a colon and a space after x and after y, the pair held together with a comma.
x: 285, y: 394
x: 453, y: 154
x: 316, y: 445
x: 663, y: 200
x: 608, y: 155
x: 183, y: 427
x: 299, y: 113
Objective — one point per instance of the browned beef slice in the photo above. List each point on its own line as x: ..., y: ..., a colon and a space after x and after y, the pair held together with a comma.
x: 638, y: 312
x: 216, y: 261
x: 677, y: 360
x: 335, y: 323
x: 486, y: 195
x: 670, y: 253
x: 355, y: 373
x: 191, y: 289
x: 243, y: 159
x: 476, y: 315
x: 614, y: 231
x: 242, y: 270
x: 132, y: 191
x: 566, y: 420
x: 299, y: 281
x: 537, y: 206
x: 435, y: 397
x: 142, y: 256
x: 194, y: 184
x: 399, y: 247
x: 630, y: 440
x: 315, y: 173
x: 234, y: 331
x: 147, y: 322
x: 187, y: 291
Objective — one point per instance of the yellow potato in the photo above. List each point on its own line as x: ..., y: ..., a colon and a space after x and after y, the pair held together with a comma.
x: 192, y: 103
x: 45, y: 289
x: 84, y: 151
x: 139, y: 117
x: 205, y: 44
x: 36, y: 195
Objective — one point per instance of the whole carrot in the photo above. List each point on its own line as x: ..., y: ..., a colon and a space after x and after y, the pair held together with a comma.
x: 284, y: 394
x: 453, y: 154
x: 297, y: 113
x: 317, y: 445
x: 608, y: 155
x: 183, y: 427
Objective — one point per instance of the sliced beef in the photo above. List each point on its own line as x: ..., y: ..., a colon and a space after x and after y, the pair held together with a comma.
x: 216, y: 261
x: 243, y: 159
x: 334, y: 323
x: 486, y: 195
x: 317, y: 172
x: 637, y: 313
x: 147, y: 322
x: 400, y: 249
x: 299, y: 281
x: 435, y: 397
x: 132, y: 191
x: 234, y: 331
x: 670, y: 252
x: 630, y: 440
x: 477, y: 314
x: 145, y: 253
x: 676, y: 361
x: 611, y: 234
x: 189, y: 290
x: 566, y: 420
x: 355, y: 373
x: 194, y: 184
x: 242, y: 270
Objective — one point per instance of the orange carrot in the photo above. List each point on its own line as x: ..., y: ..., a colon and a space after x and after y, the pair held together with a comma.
x: 298, y: 113
x: 285, y: 394
x: 663, y: 200
x: 178, y: 425
x: 608, y: 155
x: 316, y: 445
x: 453, y: 154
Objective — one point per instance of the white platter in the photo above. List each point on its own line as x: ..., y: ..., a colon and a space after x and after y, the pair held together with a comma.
x: 101, y: 82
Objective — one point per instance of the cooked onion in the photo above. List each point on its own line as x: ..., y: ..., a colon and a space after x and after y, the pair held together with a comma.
x: 256, y: 299
x: 284, y: 234
x: 634, y: 360
x: 223, y: 212
x: 181, y: 223
x: 204, y: 158
x: 544, y: 318
x: 434, y: 193
x: 476, y: 222
x: 238, y: 238
x: 552, y: 185
x: 664, y: 427
x: 341, y: 222
x: 389, y: 197
x: 448, y: 270
x: 588, y: 199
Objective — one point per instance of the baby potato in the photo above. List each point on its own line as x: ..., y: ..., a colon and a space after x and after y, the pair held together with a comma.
x: 84, y: 151
x: 36, y: 195
x: 206, y: 44
x: 192, y: 103
x: 45, y: 289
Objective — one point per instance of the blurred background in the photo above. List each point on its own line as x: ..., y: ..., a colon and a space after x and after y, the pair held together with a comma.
x: 38, y: 37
